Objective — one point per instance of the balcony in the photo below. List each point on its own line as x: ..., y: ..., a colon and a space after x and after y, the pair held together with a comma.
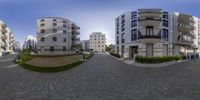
x: 4, y: 37
x: 184, y: 18
x: 185, y: 28
x: 149, y: 12
x: 4, y: 45
x: 149, y: 38
x: 149, y: 21
x: 75, y: 32
x: 184, y: 39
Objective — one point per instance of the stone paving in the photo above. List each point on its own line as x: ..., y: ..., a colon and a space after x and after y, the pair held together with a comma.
x: 103, y: 78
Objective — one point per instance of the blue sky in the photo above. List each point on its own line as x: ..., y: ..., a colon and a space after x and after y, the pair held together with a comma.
x: 90, y: 15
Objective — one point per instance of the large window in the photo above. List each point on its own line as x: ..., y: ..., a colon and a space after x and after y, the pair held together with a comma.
x: 54, y: 24
x: 42, y: 24
x: 134, y: 23
x: 64, y: 32
x: 133, y: 15
x: 52, y: 49
x: 123, y: 19
x: 42, y: 31
x: 134, y: 35
x: 42, y: 39
x: 54, y: 30
x: 122, y: 38
x: 64, y: 49
x: 117, y: 39
x: 123, y: 28
x: 64, y: 39
x: 165, y: 16
x: 54, y: 19
x: 165, y: 35
x: 165, y: 23
x: 54, y: 38
x: 117, y: 30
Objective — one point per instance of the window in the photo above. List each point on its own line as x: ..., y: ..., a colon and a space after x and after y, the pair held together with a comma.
x: 133, y: 34
x: 122, y: 38
x: 64, y: 25
x: 54, y: 24
x: 123, y: 19
x: 42, y: 20
x: 64, y: 49
x: 42, y: 39
x: 117, y: 30
x: 133, y: 15
x: 42, y: 31
x: 64, y: 21
x: 117, y: 22
x: 64, y: 39
x: 54, y: 19
x: 165, y: 16
x: 165, y: 35
x: 102, y: 45
x: 52, y: 49
x: 117, y: 39
x: 134, y: 23
x: 42, y: 24
x: 64, y: 32
x: 149, y: 30
x: 165, y: 23
x: 54, y: 30
x: 54, y: 38
x: 123, y: 28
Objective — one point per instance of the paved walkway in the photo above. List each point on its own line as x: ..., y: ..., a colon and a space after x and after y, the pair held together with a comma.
x: 103, y: 78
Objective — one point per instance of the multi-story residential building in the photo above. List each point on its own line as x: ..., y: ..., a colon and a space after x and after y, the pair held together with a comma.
x: 6, y: 39
x: 17, y: 46
x: 56, y: 36
x: 30, y: 43
x: 98, y: 41
x: 155, y: 32
x: 85, y: 45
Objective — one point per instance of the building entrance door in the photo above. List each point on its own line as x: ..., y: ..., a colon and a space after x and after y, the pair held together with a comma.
x: 132, y: 51
x: 149, y: 50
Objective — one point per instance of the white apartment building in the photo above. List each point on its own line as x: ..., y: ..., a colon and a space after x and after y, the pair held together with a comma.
x: 98, y: 41
x: 30, y: 43
x: 85, y: 45
x: 17, y: 46
x: 6, y: 39
x: 155, y: 32
x: 56, y: 36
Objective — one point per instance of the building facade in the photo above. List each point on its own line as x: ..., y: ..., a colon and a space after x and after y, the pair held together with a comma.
x: 17, y: 46
x: 6, y: 39
x: 155, y: 32
x: 85, y: 45
x: 98, y: 42
x: 56, y: 36
x: 30, y: 43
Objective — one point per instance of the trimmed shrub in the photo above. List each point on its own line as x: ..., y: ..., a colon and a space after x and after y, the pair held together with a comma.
x: 115, y: 54
x: 152, y: 60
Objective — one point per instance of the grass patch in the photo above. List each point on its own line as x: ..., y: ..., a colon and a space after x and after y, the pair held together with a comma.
x: 51, y: 69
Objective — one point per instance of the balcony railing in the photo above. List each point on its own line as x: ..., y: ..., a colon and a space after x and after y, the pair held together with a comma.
x: 149, y: 19
x: 149, y: 36
x: 156, y: 34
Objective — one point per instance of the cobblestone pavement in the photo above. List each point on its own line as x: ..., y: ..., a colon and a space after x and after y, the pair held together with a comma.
x: 103, y: 78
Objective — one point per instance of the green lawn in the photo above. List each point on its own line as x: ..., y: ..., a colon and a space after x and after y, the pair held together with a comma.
x: 26, y: 57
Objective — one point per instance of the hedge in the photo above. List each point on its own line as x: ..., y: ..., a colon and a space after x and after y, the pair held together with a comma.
x: 141, y: 59
x: 115, y: 54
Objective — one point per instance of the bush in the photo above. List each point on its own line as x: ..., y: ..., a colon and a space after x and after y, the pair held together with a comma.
x: 115, y: 54
x: 25, y: 56
x: 151, y: 60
